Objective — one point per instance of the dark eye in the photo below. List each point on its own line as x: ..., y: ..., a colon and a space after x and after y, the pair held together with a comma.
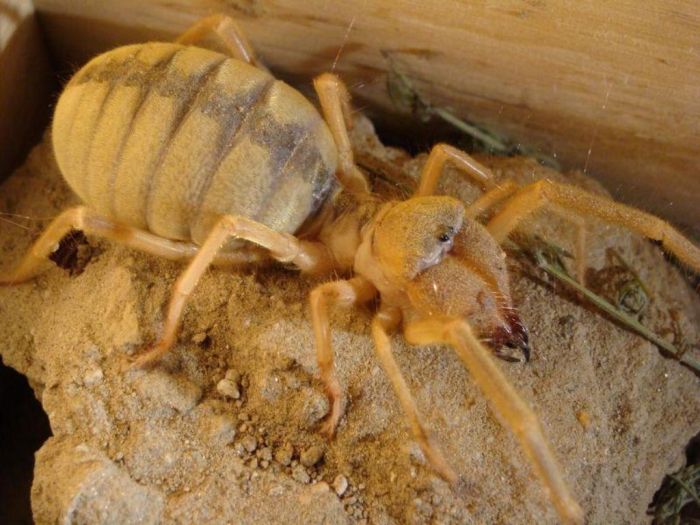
x: 445, y: 237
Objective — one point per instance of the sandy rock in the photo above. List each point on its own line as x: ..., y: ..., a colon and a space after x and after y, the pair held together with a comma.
x: 265, y: 454
x: 300, y: 474
x: 618, y: 415
x: 311, y: 456
x: 93, y: 376
x: 218, y: 429
x: 314, y: 407
x: 167, y: 389
x: 75, y: 483
x: 249, y: 443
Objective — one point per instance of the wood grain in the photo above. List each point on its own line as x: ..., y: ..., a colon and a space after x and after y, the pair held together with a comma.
x: 612, y: 88
x: 26, y: 82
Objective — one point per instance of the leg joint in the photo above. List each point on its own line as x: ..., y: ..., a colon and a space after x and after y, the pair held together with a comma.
x: 327, y: 78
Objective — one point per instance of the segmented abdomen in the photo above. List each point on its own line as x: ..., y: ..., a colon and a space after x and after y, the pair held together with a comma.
x: 167, y: 138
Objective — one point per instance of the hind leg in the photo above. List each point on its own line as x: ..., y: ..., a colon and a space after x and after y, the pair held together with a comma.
x: 89, y: 222
x: 335, y: 103
x: 335, y: 293
x: 227, y: 32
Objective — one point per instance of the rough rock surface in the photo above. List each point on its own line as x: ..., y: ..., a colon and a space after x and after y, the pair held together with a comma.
x: 225, y: 429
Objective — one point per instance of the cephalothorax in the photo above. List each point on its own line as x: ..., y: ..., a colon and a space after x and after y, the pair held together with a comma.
x: 188, y: 153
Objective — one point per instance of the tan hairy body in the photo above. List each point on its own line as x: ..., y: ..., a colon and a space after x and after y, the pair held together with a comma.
x: 167, y: 138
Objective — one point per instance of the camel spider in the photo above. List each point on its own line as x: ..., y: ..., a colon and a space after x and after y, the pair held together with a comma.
x: 184, y: 152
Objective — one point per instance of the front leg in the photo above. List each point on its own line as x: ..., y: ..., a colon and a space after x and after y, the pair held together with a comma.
x: 387, y: 320
x: 505, y: 402
x: 336, y: 293
x: 440, y: 155
x: 575, y: 200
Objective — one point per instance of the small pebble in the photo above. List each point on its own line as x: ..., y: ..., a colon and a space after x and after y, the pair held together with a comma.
x: 220, y: 430
x: 311, y: 456
x: 277, y: 490
x: 265, y: 454
x: 93, y: 376
x: 175, y: 391
x: 228, y: 388
x: 320, y: 488
x: 299, y: 473
x: 249, y: 443
x: 314, y: 408
x: 283, y: 455
x: 270, y: 387
x: 199, y: 338
x: 584, y: 418
x: 340, y: 484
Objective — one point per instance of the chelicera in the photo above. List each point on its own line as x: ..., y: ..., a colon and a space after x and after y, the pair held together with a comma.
x: 192, y: 154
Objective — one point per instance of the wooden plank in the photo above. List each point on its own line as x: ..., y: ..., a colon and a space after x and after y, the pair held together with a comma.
x: 612, y: 88
x: 26, y: 81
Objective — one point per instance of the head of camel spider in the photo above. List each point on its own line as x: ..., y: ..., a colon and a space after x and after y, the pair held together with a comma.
x: 439, y: 274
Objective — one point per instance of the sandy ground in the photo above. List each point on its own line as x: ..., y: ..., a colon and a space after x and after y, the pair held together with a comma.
x: 226, y: 429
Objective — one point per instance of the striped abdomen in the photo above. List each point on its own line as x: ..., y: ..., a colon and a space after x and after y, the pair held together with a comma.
x: 167, y: 138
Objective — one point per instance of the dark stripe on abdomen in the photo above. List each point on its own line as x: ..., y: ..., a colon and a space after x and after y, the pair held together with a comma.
x: 231, y: 135
x: 158, y: 70
x: 186, y: 104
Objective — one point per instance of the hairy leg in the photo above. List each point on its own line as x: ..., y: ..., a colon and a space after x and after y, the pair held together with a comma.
x: 335, y: 103
x: 497, y: 195
x: 439, y: 156
x: 81, y: 218
x: 228, y: 33
x: 506, y: 403
x: 491, y: 198
x: 308, y: 256
x: 575, y: 200
x: 335, y: 293
x: 386, y: 320
x: 581, y: 239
